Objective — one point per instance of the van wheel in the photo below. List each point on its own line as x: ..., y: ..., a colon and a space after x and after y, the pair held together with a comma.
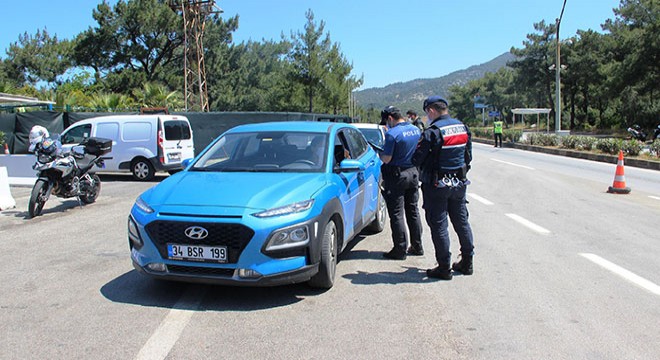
x: 142, y: 170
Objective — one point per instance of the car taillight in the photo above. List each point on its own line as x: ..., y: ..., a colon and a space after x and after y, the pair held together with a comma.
x: 161, y: 150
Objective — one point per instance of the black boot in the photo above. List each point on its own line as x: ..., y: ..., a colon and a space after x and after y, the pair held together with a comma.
x: 442, y: 272
x: 464, y: 266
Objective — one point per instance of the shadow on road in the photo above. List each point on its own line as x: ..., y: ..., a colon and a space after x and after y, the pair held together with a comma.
x: 410, y: 275
x: 133, y: 288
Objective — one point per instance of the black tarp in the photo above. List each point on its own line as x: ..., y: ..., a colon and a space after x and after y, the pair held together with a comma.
x: 51, y: 120
x: 206, y: 126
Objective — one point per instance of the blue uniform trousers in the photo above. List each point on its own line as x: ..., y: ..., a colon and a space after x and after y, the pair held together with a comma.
x: 401, y: 196
x: 438, y: 203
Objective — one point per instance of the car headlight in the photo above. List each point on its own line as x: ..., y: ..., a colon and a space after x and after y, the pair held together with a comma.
x: 134, y: 233
x: 286, y: 210
x: 142, y: 205
x: 288, y: 238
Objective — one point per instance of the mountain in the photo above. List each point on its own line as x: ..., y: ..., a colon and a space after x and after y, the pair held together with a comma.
x: 411, y: 94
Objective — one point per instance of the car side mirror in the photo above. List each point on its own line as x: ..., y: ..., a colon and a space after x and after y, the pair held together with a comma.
x: 186, y: 162
x: 350, y: 165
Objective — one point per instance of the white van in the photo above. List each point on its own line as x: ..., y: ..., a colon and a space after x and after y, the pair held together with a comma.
x: 141, y: 144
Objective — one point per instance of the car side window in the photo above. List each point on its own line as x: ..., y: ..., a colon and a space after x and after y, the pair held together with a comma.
x: 77, y: 134
x: 357, y: 144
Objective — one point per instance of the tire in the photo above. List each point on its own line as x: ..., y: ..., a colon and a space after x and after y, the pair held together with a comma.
x: 378, y: 224
x: 325, y: 278
x: 142, y: 169
x: 37, y: 198
x: 93, y: 191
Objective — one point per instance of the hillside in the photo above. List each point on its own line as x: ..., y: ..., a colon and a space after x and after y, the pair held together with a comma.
x: 411, y: 94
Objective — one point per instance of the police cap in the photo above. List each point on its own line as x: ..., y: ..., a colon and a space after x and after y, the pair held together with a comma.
x: 432, y: 100
x: 390, y: 110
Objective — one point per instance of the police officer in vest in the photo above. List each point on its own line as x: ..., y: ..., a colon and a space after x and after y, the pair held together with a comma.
x: 444, y: 153
x: 401, y: 184
x: 497, y: 131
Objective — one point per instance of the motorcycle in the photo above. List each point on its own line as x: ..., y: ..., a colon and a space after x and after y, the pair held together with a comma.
x: 637, y: 133
x: 60, y: 174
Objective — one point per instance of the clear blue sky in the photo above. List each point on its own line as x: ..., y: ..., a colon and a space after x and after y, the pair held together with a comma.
x: 387, y: 41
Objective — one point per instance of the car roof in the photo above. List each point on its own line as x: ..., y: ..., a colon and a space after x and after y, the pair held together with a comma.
x: 304, y: 126
x: 367, y: 126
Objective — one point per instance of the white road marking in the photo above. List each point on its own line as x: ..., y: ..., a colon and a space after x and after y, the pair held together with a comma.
x: 654, y: 197
x: 529, y: 224
x: 512, y: 164
x: 480, y: 199
x: 168, y: 332
x: 618, y: 270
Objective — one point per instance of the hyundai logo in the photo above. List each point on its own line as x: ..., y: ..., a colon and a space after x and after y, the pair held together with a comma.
x: 196, y: 232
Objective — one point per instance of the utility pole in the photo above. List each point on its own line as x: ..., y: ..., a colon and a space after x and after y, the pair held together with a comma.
x: 558, y: 76
x: 195, y: 13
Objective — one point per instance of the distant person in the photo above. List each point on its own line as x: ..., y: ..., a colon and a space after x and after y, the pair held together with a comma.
x: 497, y: 131
x: 444, y: 153
x: 401, y: 185
x: 415, y: 120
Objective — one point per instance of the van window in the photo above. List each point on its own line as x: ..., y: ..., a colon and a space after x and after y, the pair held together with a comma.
x: 136, y: 131
x: 77, y: 134
x: 176, y: 130
x: 108, y: 130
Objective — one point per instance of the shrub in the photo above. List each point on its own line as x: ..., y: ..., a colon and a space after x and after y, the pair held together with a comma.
x: 655, y: 148
x: 570, y: 142
x: 542, y: 139
x: 609, y: 146
x: 2, y: 138
x: 512, y: 135
x: 587, y: 143
x: 632, y: 147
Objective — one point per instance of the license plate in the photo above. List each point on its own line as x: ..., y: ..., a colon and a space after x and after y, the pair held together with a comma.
x: 174, y: 156
x: 197, y: 253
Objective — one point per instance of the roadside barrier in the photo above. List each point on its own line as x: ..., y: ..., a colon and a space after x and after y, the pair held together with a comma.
x: 619, y: 185
x: 6, y: 200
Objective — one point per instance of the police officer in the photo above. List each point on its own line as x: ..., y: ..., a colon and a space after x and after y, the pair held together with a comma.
x: 415, y: 120
x: 401, y: 184
x: 497, y: 131
x: 444, y: 153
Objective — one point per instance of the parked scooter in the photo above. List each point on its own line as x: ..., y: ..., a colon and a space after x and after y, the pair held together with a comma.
x: 637, y: 133
x: 59, y: 173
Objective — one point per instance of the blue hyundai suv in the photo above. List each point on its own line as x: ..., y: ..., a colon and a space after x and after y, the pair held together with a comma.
x: 264, y: 204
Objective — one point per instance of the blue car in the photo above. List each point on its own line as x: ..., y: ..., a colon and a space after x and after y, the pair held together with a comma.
x: 264, y: 204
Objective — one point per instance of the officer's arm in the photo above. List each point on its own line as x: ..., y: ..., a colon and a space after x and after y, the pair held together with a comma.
x: 388, y: 149
x: 423, y: 149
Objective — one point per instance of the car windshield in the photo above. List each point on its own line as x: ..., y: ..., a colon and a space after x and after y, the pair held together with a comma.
x: 373, y: 136
x: 271, y: 151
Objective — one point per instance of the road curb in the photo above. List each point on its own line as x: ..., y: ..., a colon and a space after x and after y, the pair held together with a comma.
x: 611, y: 159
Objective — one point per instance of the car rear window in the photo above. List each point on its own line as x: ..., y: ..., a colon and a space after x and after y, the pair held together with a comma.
x: 176, y: 130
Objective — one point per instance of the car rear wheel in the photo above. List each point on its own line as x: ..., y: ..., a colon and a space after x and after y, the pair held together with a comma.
x: 142, y: 169
x: 325, y: 278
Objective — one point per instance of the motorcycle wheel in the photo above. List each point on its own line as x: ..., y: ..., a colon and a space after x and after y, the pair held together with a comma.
x: 37, y: 198
x: 93, y: 190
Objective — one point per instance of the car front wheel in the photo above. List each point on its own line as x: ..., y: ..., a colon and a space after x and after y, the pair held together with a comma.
x: 325, y: 278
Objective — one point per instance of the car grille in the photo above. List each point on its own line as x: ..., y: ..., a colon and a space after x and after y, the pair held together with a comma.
x: 234, y: 236
x: 194, y: 270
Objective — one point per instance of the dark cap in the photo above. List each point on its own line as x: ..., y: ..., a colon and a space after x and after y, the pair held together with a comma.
x: 390, y: 110
x: 411, y: 112
x: 432, y: 100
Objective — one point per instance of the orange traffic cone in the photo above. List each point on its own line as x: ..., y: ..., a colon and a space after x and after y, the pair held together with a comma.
x: 6, y: 149
x: 619, y: 185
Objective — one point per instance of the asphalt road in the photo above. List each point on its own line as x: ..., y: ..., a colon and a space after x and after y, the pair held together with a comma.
x: 563, y: 270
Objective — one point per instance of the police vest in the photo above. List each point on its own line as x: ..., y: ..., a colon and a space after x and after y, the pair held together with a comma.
x: 498, y: 127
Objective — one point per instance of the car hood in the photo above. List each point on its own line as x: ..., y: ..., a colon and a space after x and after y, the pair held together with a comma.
x: 231, y: 193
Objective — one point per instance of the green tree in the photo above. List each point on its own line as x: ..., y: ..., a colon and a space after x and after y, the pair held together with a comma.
x: 158, y: 95
x: 309, y: 57
x: 40, y: 57
x: 136, y: 41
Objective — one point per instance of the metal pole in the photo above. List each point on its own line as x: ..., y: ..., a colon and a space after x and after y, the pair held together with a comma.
x: 558, y: 77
